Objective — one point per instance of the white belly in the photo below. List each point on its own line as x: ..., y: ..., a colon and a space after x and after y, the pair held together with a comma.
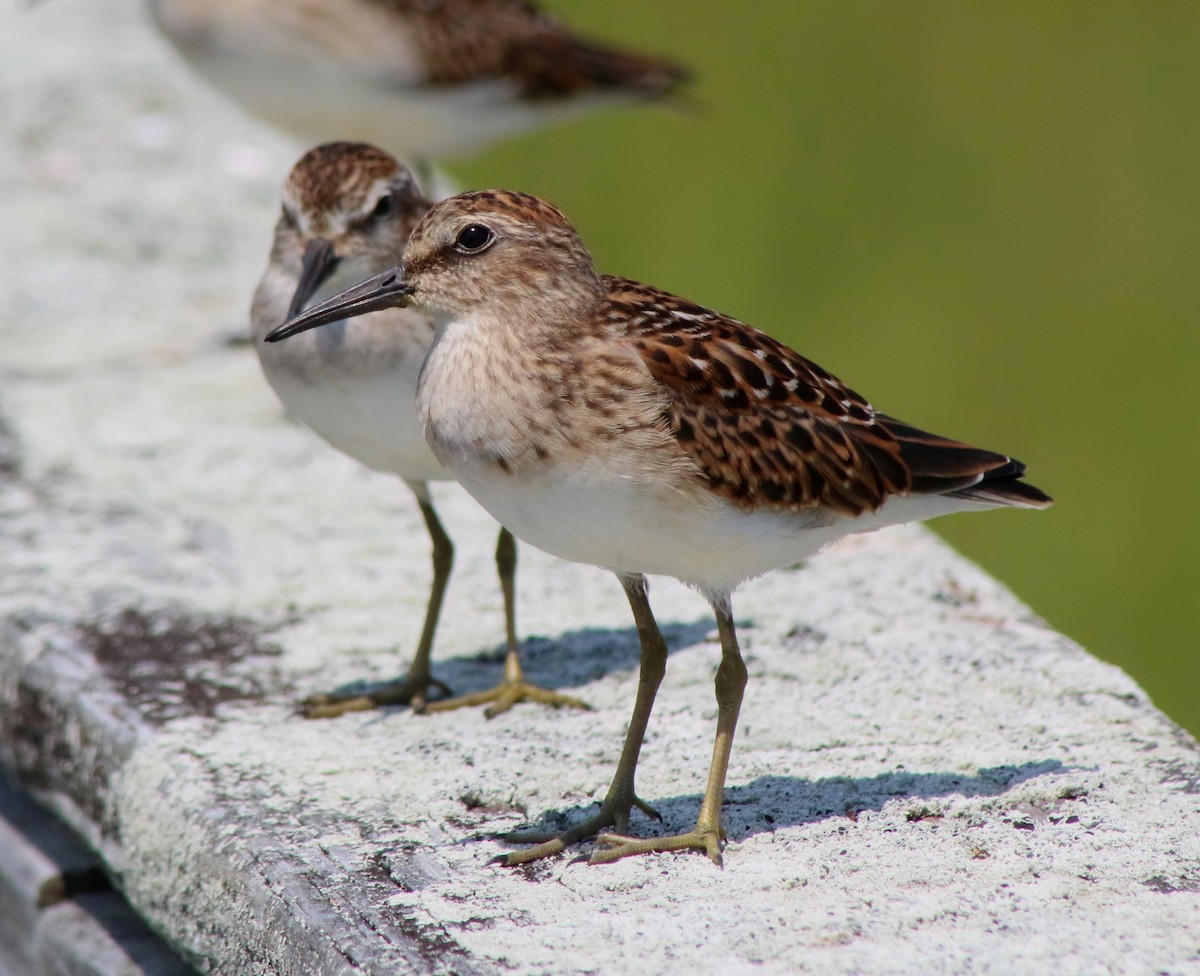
x: 369, y: 418
x: 364, y: 408
x: 587, y: 514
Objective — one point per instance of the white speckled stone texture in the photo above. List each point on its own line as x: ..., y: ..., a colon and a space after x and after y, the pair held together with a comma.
x: 927, y: 778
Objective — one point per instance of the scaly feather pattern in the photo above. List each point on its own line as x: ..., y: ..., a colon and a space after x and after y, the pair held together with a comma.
x: 769, y: 428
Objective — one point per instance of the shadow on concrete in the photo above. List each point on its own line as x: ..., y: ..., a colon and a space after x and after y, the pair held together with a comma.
x: 774, y: 802
x: 569, y: 660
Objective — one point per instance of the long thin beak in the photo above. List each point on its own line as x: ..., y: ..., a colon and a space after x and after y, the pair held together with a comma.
x: 319, y: 263
x: 387, y: 290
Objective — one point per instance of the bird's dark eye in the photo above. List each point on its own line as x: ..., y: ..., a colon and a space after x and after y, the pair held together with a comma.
x: 383, y: 207
x: 473, y: 238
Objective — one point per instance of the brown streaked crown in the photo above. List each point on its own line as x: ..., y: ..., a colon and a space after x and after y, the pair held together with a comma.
x: 535, y: 257
x: 340, y: 176
x: 359, y: 196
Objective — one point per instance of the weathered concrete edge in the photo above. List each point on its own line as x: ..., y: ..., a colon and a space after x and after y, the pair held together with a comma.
x: 58, y: 911
x: 102, y: 740
x: 288, y: 914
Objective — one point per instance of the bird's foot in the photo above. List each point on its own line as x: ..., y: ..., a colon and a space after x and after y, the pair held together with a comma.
x: 504, y: 696
x: 411, y: 690
x: 613, y: 847
x: 611, y: 814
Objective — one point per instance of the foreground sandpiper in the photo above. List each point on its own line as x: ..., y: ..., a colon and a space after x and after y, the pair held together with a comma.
x: 348, y: 209
x: 423, y: 78
x: 611, y: 423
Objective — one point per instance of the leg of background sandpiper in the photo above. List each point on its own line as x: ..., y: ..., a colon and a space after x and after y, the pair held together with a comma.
x: 730, y: 686
x: 621, y: 798
x: 416, y: 684
x: 513, y: 688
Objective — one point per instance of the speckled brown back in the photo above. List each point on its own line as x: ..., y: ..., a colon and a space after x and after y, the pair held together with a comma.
x: 464, y: 40
x: 769, y: 428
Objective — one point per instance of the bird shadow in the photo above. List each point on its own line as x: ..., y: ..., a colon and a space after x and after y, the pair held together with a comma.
x: 774, y: 802
x: 571, y: 659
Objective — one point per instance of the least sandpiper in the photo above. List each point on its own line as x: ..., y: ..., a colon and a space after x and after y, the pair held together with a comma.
x: 348, y: 209
x: 423, y: 78
x: 611, y: 423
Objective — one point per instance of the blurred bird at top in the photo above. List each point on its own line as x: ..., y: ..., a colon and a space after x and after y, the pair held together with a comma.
x: 425, y: 79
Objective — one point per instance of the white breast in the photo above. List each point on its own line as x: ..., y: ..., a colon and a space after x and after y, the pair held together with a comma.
x: 354, y: 382
x: 371, y: 417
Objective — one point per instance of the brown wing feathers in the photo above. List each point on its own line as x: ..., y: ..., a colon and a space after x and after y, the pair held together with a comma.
x: 767, y: 427
x: 556, y: 64
x: 517, y: 41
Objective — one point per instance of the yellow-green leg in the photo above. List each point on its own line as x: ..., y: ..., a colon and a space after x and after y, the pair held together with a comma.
x: 513, y: 688
x: 414, y: 686
x: 621, y: 798
x: 707, y: 834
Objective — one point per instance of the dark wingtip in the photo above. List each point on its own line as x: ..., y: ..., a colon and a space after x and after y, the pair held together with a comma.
x: 1007, y: 491
x: 565, y: 65
x: 947, y: 467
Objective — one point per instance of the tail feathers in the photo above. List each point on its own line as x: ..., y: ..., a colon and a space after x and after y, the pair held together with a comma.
x: 940, y: 466
x: 1009, y: 491
x: 564, y: 65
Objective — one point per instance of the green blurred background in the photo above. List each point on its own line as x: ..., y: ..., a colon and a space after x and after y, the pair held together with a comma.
x: 984, y: 217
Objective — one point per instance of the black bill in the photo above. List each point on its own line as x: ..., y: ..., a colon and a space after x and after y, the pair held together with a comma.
x: 319, y: 263
x: 387, y: 290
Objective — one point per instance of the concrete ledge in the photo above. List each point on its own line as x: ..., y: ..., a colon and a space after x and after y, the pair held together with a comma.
x: 927, y: 777
x: 58, y: 912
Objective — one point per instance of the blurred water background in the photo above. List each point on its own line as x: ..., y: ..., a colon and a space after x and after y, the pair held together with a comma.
x: 984, y: 217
